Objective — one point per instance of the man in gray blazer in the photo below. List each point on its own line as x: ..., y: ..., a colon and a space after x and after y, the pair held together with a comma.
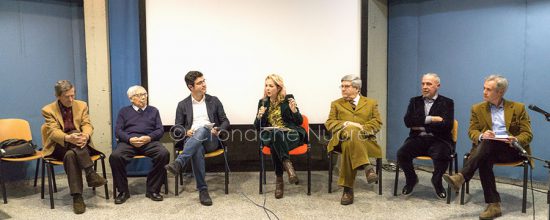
x: 199, y: 120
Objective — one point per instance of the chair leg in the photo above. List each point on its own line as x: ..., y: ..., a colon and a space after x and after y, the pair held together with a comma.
x: 330, y: 156
x: 456, y: 164
x: 465, y: 186
x: 105, y: 176
x: 226, y: 174
x: 308, y: 173
x: 379, y: 172
x: 462, y: 189
x: 50, y: 182
x: 3, y: 185
x: 36, y: 172
x: 166, y: 183
x: 95, y: 169
x: 176, y: 190
x: 261, y: 171
x: 524, y: 200
x: 52, y: 171
x: 449, y: 195
x: 395, y: 184
x: 42, y: 181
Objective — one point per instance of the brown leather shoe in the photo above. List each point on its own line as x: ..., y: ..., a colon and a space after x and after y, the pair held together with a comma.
x: 292, y: 177
x: 491, y: 212
x: 371, y: 175
x: 279, y: 187
x: 78, y: 204
x: 455, y: 181
x: 95, y: 180
x: 347, y: 196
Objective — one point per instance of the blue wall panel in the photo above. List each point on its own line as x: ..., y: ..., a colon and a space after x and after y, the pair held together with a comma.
x: 125, y: 63
x: 465, y: 41
x: 41, y: 42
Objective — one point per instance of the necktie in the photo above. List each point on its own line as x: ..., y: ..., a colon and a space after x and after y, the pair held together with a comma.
x: 140, y: 110
x: 429, y: 100
x: 352, y: 104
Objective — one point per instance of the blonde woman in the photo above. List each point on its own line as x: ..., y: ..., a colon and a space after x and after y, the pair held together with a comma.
x: 279, y: 111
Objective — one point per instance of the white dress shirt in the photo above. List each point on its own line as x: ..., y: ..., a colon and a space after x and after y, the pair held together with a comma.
x: 200, y: 115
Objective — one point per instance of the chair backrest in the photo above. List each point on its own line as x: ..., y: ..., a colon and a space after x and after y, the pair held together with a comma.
x: 454, y: 132
x: 305, y: 125
x: 300, y: 149
x: 14, y: 128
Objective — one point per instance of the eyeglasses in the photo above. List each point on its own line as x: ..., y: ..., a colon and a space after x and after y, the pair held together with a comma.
x: 199, y: 83
x: 139, y: 95
x: 345, y: 86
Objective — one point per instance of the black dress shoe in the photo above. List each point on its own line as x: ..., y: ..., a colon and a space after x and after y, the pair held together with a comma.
x: 174, y: 167
x: 441, y: 194
x: 122, y: 197
x: 205, y: 198
x: 154, y: 196
x: 439, y: 190
x: 408, y: 189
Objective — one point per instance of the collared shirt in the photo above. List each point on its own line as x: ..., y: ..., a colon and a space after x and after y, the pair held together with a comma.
x: 200, y: 114
x: 497, y: 117
x: 356, y: 100
x: 137, y: 108
x: 428, y: 103
x: 67, y: 115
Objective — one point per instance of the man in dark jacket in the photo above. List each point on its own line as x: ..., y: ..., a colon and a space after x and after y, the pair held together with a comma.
x: 199, y: 118
x: 430, y: 118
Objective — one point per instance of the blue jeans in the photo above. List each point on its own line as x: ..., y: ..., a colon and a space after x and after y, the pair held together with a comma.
x: 194, y: 149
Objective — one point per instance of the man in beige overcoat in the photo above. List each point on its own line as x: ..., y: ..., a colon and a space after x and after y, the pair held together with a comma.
x: 354, y: 121
x: 66, y: 135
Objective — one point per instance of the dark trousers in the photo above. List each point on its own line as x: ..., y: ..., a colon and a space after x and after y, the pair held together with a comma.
x: 124, y: 152
x: 75, y: 159
x: 434, y: 147
x: 487, y: 153
x: 280, y: 143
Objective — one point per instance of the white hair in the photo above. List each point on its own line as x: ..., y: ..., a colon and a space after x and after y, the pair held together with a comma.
x: 133, y: 90
x: 354, y: 79
x: 502, y: 83
x: 433, y: 75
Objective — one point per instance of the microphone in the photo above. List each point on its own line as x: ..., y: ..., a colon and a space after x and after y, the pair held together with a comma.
x: 537, y: 109
x: 518, y: 147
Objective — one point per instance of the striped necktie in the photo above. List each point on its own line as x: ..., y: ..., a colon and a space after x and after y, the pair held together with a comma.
x: 352, y: 104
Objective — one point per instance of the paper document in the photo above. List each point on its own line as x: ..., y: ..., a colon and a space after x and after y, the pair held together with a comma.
x: 275, y: 128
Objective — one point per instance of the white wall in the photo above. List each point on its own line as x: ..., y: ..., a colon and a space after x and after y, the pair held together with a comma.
x: 311, y: 43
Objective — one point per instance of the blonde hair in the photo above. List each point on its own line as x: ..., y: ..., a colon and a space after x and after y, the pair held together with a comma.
x: 278, y: 80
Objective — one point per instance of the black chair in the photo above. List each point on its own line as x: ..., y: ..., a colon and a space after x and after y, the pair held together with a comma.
x: 49, y: 163
x: 178, y: 148
x: 453, y: 163
x: 522, y: 163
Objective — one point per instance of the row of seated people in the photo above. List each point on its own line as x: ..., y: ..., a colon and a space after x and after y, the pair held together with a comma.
x: 354, y: 121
